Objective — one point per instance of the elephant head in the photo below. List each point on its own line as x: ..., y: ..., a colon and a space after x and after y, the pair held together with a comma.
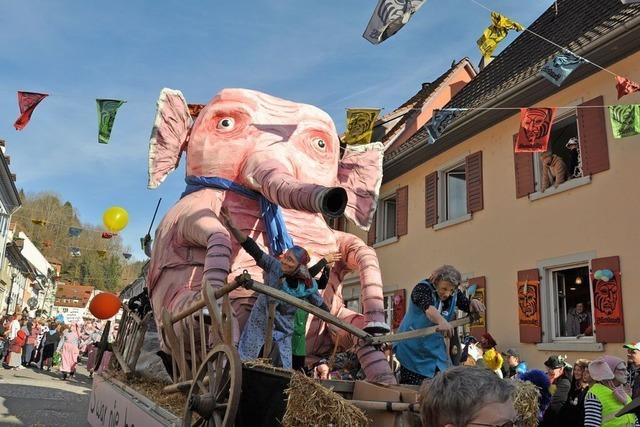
x: 289, y: 152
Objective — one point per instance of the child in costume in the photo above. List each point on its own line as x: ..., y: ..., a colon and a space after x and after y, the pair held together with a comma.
x: 289, y: 274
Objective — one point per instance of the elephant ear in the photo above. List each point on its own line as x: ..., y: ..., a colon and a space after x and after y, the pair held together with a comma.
x: 169, y: 135
x: 360, y: 174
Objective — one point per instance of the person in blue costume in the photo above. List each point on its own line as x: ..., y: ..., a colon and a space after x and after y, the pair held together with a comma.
x: 434, y: 302
x: 288, y: 274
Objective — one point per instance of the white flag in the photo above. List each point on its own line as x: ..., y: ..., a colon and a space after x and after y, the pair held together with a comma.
x: 388, y: 17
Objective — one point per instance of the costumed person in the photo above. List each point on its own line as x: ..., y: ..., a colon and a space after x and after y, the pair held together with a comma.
x: 541, y: 381
x: 560, y: 379
x: 289, y: 274
x: 69, y: 349
x: 579, y: 321
x: 607, y: 396
x: 14, y: 358
x: 554, y: 170
x: 513, y: 366
x: 434, y: 302
x: 299, y: 338
x: 573, y: 410
x: 490, y: 356
x: 44, y: 329
x: 31, y: 343
x: 633, y: 367
x: 49, y: 346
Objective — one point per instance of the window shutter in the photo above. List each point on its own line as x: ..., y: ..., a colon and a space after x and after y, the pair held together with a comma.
x: 608, y: 316
x: 525, y: 177
x: 371, y: 235
x: 480, y: 327
x: 593, y: 137
x: 473, y: 166
x: 399, y: 307
x: 431, y: 199
x: 402, y: 211
x: 529, y: 315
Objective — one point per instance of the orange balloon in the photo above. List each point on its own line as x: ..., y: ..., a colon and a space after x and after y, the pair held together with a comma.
x: 105, y: 305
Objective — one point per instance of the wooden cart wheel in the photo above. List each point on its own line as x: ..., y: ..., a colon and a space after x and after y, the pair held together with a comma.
x: 214, y: 395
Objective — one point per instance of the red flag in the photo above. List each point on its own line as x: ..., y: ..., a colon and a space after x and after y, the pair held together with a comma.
x: 194, y: 110
x: 27, y: 101
x: 535, y: 129
x: 626, y: 86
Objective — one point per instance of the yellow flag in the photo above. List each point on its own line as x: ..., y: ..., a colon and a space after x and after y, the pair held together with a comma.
x: 360, y: 123
x: 495, y: 33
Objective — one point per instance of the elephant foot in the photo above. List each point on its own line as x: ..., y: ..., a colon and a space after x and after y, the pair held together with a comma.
x: 377, y: 328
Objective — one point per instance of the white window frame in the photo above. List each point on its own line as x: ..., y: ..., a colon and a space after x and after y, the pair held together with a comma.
x: 443, y: 222
x: 549, y: 343
x: 553, y: 301
x: 388, y: 311
x: 381, y: 220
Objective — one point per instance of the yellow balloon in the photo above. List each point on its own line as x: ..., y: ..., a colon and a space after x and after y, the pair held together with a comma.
x: 115, y: 219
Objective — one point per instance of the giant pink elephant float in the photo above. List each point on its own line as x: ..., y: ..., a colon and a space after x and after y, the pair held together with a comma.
x: 290, y: 154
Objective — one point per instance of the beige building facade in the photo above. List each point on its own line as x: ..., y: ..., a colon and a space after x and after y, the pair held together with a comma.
x: 469, y: 201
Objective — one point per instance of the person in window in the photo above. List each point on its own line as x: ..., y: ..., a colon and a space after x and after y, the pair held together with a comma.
x: 554, y: 170
x: 290, y: 275
x: 607, y: 396
x: 559, y: 376
x: 433, y: 302
x: 579, y: 321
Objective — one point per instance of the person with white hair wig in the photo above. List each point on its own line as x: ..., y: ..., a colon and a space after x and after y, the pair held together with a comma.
x: 434, y: 302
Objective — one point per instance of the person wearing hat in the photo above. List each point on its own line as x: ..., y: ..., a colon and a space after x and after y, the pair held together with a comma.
x: 633, y: 367
x: 560, y: 386
x: 607, y: 397
x: 513, y: 366
x: 434, y: 302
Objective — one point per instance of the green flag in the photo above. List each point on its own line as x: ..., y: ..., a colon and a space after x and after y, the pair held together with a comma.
x: 107, y: 109
x: 625, y: 120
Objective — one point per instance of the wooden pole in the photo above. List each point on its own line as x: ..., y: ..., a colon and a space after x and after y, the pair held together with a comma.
x: 386, y: 406
x: 268, y: 337
x: 400, y: 336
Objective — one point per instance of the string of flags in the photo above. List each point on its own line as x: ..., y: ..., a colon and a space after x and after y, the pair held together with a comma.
x: 73, y: 231
x: 389, y: 17
x: 360, y: 123
x: 495, y: 33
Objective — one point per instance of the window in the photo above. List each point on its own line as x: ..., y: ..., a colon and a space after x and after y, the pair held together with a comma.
x: 386, y: 219
x: 454, y: 191
x: 564, y: 145
x: 353, y: 304
x: 571, y: 303
x: 388, y: 308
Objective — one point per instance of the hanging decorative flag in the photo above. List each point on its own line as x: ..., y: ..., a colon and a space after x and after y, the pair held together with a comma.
x: 39, y: 221
x: 535, y: 129
x: 389, y: 17
x: 559, y: 68
x: 75, y: 252
x: 106, y: 235
x: 194, y: 110
x: 74, y: 231
x: 107, y: 109
x: 27, y: 101
x: 439, y: 122
x: 101, y: 253
x: 626, y: 86
x: 360, y: 123
x: 625, y: 120
x: 126, y: 255
x: 495, y: 33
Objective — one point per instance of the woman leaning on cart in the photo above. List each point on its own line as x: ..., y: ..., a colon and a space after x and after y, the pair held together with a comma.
x: 433, y: 302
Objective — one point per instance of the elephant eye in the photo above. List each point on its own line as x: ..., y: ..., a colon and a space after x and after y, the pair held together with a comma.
x: 226, y: 123
x: 319, y: 142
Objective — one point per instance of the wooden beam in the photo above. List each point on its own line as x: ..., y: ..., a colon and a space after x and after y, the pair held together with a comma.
x: 121, y: 361
x: 418, y: 333
x: 385, y: 406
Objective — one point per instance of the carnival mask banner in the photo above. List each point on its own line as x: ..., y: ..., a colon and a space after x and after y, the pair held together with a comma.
x: 194, y: 110
x: 389, y: 17
x: 107, y: 109
x: 535, y: 129
x: 74, y: 231
x: 528, y: 303
x: 439, y: 122
x: 625, y: 120
x: 626, y: 86
x: 608, y: 298
x: 27, y: 102
x: 495, y: 33
x: 559, y: 68
x: 75, y: 252
x: 360, y: 122
x: 126, y: 255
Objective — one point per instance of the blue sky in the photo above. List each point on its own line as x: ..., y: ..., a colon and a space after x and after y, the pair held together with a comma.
x: 306, y: 51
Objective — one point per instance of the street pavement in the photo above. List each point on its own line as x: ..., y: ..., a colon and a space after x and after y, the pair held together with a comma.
x: 30, y: 397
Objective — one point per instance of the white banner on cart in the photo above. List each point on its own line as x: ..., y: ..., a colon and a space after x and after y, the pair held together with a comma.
x: 111, y: 407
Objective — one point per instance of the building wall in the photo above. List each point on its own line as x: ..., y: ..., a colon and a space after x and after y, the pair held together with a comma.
x: 512, y: 234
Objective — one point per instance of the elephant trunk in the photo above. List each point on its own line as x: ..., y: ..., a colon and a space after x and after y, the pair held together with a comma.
x: 285, y: 190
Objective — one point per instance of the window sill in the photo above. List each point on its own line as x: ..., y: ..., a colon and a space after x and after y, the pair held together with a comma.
x: 571, y: 346
x: 451, y: 222
x: 385, y: 242
x: 565, y: 186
